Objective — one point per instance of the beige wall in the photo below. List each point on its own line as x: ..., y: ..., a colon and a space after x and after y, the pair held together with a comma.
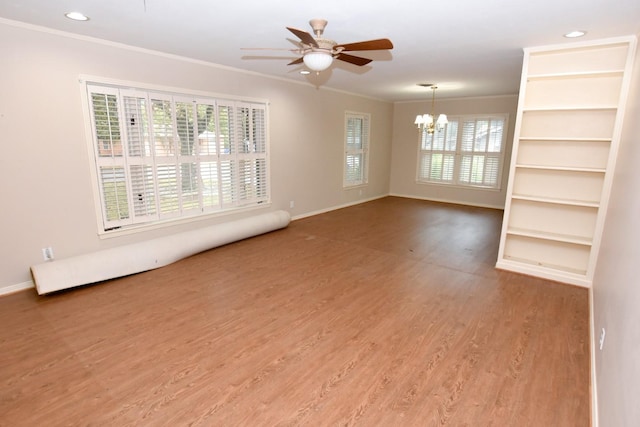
x: 45, y: 178
x: 405, y: 149
x: 47, y: 194
x: 616, y: 285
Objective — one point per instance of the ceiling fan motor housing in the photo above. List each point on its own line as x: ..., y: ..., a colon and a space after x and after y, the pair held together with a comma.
x: 324, y: 45
x: 318, y: 26
x: 318, y: 52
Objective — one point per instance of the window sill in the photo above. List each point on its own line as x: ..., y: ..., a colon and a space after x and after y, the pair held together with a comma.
x: 458, y: 186
x: 135, y: 229
x: 354, y: 186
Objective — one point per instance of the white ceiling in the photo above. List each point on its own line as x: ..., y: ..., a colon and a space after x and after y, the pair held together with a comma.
x: 468, y: 47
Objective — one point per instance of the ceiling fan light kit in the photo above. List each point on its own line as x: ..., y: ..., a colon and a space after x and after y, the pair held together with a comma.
x: 318, y: 61
x: 318, y: 52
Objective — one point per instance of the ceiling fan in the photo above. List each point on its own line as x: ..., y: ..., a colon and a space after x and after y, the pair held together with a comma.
x: 318, y: 52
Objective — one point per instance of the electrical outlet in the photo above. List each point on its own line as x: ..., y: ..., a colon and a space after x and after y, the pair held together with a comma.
x: 47, y: 253
x: 602, y: 334
x: 291, y: 204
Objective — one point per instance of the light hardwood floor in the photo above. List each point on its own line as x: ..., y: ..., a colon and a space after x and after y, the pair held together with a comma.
x: 388, y: 313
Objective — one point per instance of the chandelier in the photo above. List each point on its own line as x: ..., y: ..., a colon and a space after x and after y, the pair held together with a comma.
x: 427, y: 122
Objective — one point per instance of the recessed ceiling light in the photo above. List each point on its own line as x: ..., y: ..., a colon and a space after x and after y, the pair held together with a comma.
x: 76, y: 16
x: 305, y: 72
x: 574, y: 34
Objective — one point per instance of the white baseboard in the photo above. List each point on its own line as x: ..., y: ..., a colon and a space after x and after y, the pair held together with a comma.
x: 593, y: 386
x: 6, y: 290
x: 543, y: 272
x: 406, y: 196
x: 454, y: 202
x: 124, y: 260
x: 334, y: 208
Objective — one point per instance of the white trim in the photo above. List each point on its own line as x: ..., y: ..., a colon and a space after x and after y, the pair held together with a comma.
x: 454, y: 202
x: 87, y: 79
x: 365, y: 149
x: 122, y: 89
x: 613, y: 156
x: 171, y: 222
x: 107, y: 264
x: 11, y: 289
x: 335, y: 208
x: 460, y: 98
x: 593, y: 386
x: 29, y: 285
x: 458, y: 186
x: 458, y: 153
x: 544, y: 273
x: 382, y: 196
x: 582, y: 44
x: 89, y: 145
x: 586, y: 278
x: 514, y: 155
x: 123, y: 46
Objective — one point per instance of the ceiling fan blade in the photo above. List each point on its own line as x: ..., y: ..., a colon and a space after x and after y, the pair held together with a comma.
x: 297, y: 61
x: 378, y: 44
x: 269, y: 48
x: 305, y: 37
x: 356, y: 60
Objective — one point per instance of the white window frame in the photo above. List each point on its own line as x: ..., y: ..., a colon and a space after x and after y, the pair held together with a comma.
x: 458, y: 160
x: 218, y: 174
x: 356, y: 152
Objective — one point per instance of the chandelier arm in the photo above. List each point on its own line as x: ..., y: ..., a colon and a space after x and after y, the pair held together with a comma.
x: 428, y: 122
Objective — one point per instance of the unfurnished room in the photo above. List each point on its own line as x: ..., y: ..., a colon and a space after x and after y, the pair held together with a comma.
x: 335, y: 213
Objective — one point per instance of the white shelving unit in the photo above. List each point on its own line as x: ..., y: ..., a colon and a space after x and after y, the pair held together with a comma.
x: 568, y: 125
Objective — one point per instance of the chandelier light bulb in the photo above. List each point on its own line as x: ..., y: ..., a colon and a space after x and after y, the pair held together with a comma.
x: 428, y: 122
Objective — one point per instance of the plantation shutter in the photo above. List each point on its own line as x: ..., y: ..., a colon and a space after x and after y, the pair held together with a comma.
x: 109, y: 156
x: 252, y: 176
x: 438, y: 153
x: 187, y: 156
x: 140, y: 156
x: 163, y: 125
x: 228, y: 151
x: 467, y: 152
x: 481, y: 151
x: 356, y: 149
x: 207, y: 149
x: 160, y: 156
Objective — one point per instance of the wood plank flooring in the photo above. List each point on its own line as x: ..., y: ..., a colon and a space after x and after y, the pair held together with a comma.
x: 388, y: 313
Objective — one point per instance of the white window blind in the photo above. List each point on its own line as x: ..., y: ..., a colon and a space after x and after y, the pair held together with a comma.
x: 469, y: 151
x: 356, y: 151
x: 160, y: 156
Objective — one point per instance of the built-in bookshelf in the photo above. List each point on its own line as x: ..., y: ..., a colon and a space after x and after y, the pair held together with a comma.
x: 567, y: 130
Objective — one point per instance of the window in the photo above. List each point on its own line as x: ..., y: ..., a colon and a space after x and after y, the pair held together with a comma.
x: 161, y: 156
x: 356, y: 149
x: 469, y: 151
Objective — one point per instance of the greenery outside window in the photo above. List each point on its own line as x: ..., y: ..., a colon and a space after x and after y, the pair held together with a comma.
x: 468, y: 152
x: 161, y: 156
